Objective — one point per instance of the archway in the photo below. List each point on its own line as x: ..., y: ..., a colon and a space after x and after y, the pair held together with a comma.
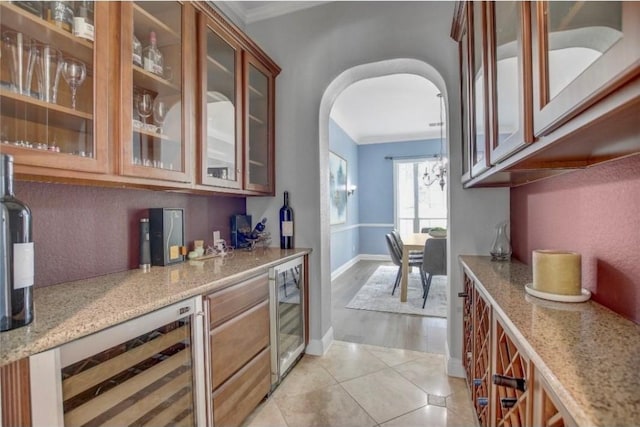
x: 340, y: 83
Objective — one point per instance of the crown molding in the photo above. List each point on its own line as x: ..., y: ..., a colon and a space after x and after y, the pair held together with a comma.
x: 273, y: 9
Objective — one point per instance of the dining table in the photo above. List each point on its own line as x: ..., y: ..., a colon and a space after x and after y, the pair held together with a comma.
x: 410, y: 242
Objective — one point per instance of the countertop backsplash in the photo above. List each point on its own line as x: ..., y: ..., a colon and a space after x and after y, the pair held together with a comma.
x: 82, y: 232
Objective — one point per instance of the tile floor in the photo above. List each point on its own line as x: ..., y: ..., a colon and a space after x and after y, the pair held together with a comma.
x: 365, y: 385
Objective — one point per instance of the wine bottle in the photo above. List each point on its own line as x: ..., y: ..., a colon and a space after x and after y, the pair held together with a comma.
x: 152, y: 57
x: 511, y: 382
x: 136, y: 51
x: 16, y: 254
x: 286, y: 224
x: 508, y: 402
x: 482, y: 401
x: 60, y: 13
x: 83, y: 20
x: 258, y: 229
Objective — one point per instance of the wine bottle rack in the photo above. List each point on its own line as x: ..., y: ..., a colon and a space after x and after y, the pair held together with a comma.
x: 510, y: 362
x: 551, y: 416
x: 481, y: 362
x: 145, y: 380
x: 467, y: 328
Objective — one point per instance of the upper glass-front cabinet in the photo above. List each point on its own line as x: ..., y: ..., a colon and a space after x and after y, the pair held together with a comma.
x: 221, y: 96
x: 509, y: 60
x: 53, y: 85
x: 259, y: 98
x: 479, y: 155
x: 156, y: 89
x: 582, y: 52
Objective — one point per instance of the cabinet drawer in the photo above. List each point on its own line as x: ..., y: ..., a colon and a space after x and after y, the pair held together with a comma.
x: 234, y: 343
x: 227, y: 303
x: 239, y: 396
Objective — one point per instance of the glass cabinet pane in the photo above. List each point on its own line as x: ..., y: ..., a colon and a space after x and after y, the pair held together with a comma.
x: 222, y: 151
x: 464, y: 89
x: 290, y: 315
x: 157, y: 87
x: 506, y: 21
x: 578, y: 33
x: 478, y: 148
x: 47, y: 84
x: 258, y: 128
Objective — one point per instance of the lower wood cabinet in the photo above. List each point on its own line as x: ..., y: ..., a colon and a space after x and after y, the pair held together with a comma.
x: 239, y: 396
x: 239, y: 350
x: 506, y: 387
x: 15, y: 394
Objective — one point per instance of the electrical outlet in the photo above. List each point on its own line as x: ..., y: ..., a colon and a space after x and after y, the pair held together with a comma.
x: 216, y: 237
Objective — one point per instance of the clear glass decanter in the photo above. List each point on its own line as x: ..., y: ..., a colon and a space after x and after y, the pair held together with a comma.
x: 501, y: 249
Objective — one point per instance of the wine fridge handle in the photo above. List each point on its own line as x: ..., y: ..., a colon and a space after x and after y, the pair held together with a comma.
x: 463, y: 294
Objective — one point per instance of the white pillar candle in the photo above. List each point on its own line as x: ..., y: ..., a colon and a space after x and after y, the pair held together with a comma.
x: 557, y: 272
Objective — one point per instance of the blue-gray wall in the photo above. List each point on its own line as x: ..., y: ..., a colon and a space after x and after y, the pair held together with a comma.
x: 370, y: 208
x: 376, y: 197
x: 345, y: 237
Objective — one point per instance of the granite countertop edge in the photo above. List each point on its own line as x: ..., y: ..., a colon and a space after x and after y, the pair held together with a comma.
x: 104, y: 301
x: 588, y: 401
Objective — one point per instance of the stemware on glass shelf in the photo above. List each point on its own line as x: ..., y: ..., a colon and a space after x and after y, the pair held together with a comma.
x: 17, y: 49
x: 145, y: 107
x: 74, y: 72
x: 48, y: 69
x: 160, y: 110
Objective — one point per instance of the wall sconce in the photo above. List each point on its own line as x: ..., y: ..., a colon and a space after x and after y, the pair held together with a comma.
x: 351, y: 190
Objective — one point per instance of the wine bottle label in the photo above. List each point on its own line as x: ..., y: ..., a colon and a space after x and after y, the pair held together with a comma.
x: 82, y: 29
x: 287, y: 228
x: 22, y: 265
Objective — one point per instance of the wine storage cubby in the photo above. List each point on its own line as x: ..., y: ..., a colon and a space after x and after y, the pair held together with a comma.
x: 467, y: 329
x: 482, y: 357
x: 510, y: 382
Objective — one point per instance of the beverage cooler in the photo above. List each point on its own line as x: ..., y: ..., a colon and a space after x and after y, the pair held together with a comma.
x: 146, y: 371
x: 286, y: 293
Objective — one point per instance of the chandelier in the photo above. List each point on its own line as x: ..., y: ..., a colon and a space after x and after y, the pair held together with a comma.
x: 438, y: 171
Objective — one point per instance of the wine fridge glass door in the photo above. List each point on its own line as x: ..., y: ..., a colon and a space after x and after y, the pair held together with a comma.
x: 288, y: 290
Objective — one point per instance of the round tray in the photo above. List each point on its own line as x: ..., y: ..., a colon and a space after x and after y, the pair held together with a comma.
x: 584, y: 296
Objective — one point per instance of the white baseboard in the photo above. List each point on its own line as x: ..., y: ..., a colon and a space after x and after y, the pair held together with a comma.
x: 344, y: 267
x: 454, y: 365
x: 362, y: 257
x: 320, y: 347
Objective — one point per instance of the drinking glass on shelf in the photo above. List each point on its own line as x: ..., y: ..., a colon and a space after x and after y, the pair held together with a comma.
x: 145, y: 106
x: 18, y: 53
x: 74, y: 72
x: 159, y: 112
x: 49, y: 66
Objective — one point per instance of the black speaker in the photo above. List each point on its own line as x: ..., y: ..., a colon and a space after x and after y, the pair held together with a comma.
x: 166, y: 229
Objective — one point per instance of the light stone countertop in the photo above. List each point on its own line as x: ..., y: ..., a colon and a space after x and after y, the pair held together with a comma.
x: 589, y: 355
x: 72, y: 310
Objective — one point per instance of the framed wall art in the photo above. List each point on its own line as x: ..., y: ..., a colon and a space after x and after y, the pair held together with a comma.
x: 337, y: 189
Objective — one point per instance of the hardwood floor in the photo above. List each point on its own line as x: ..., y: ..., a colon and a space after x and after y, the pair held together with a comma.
x: 409, y: 332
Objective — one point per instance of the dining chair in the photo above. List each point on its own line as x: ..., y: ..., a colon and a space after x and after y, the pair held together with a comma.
x: 434, y: 263
x: 396, y: 236
x: 396, y: 257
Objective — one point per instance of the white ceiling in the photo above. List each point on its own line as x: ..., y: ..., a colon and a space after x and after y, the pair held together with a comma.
x: 385, y: 109
x: 398, y: 107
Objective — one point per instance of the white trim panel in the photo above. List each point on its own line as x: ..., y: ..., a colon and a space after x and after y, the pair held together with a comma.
x: 46, y: 389
x: 320, y: 347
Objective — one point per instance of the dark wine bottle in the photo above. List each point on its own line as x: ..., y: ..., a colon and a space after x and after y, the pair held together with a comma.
x: 286, y: 224
x: 16, y: 254
x: 482, y: 401
x: 258, y: 229
x: 511, y: 382
x: 508, y: 402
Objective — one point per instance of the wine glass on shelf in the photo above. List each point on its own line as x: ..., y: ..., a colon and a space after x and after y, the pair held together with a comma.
x: 74, y: 72
x: 145, y: 106
x: 160, y: 110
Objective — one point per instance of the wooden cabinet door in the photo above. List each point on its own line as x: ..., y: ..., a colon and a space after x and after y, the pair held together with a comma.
x: 156, y: 101
x: 220, y: 139
x: 15, y: 394
x: 582, y: 52
x: 259, y: 159
x: 39, y: 123
x: 510, y: 86
x: 237, y: 341
x: 478, y: 105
